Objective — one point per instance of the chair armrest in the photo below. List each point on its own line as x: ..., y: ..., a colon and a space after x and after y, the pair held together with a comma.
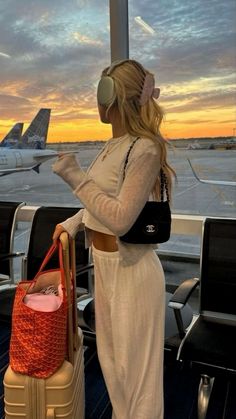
x: 6, y: 256
x: 24, y: 267
x: 85, y: 268
x: 80, y: 291
x: 183, y: 293
x: 179, y: 299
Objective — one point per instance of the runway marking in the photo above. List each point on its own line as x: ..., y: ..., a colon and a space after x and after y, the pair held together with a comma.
x: 188, y: 189
x: 21, y: 234
x: 230, y: 203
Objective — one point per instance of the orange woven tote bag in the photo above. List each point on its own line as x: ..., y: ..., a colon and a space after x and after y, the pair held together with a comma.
x: 38, y: 339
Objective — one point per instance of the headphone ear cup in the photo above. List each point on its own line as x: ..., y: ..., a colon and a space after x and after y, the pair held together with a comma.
x: 105, y: 91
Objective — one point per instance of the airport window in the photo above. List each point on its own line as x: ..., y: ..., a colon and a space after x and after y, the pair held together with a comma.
x: 51, y: 56
x: 191, y: 50
x: 52, y: 53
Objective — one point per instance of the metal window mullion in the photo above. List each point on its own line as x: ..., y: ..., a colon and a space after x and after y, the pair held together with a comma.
x: 119, y: 30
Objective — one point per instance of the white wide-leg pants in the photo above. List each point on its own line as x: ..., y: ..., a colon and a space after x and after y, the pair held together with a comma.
x: 129, y: 307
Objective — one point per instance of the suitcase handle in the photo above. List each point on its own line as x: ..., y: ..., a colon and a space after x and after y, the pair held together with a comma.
x: 68, y: 249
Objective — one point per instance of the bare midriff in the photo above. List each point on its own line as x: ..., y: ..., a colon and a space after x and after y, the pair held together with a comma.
x: 104, y: 242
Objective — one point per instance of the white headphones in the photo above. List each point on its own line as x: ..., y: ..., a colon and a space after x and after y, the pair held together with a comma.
x: 106, y: 89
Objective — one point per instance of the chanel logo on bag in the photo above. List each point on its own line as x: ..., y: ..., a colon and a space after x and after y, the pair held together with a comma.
x: 150, y: 229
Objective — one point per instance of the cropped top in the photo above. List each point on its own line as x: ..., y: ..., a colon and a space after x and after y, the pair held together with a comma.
x: 112, y: 203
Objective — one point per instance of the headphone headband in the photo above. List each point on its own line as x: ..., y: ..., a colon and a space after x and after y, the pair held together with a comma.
x: 115, y: 64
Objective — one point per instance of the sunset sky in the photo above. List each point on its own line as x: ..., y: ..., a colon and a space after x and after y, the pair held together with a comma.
x: 52, y: 53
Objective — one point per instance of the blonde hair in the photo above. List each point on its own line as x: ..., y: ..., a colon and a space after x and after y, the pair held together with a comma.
x: 139, y: 120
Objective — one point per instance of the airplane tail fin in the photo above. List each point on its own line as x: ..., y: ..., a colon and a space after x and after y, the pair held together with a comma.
x: 36, y: 134
x: 12, y: 138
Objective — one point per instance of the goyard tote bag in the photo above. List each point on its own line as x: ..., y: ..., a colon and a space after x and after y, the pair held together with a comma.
x: 39, y: 321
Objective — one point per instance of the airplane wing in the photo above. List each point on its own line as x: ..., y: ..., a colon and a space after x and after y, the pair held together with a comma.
x: 43, y: 157
x: 21, y: 169
x: 212, y: 182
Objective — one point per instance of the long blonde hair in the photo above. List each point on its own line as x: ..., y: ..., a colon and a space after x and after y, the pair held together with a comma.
x: 139, y: 120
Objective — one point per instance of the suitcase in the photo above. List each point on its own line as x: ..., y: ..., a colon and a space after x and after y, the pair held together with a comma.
x: 5, y: 334
x: 62, y: 394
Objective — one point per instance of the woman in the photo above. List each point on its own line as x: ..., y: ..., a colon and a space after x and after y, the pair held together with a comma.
x: 129, y: 280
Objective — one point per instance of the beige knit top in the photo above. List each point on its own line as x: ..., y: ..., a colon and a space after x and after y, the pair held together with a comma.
x: 111, y: 204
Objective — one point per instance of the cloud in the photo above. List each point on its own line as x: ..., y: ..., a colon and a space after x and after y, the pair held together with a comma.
x: 77, y: 36
x: 213, y: 100
x: 59, y: 48
x: 189, y: 41
x: 14, y: 106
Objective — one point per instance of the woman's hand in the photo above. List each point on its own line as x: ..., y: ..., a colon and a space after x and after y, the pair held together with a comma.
x: 57, y: 232
x: 64, y: 164
x: 69, y: 170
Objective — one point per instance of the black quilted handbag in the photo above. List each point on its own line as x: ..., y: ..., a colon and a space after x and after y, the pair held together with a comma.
x: 153, y: 224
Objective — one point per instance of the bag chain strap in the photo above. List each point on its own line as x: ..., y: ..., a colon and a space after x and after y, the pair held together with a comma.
x: 164, y: 185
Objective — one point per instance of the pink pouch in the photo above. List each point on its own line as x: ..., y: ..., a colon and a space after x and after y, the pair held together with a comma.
x: 43, y: 302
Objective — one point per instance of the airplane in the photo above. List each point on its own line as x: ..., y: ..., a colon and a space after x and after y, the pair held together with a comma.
x: 11, y: 140
x: 29, y: 152
x: 212, y: 182
x: 17, y: 160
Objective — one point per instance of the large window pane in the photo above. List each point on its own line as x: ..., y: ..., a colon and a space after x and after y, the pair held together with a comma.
x: 191, y: 48
x: 51, y: 55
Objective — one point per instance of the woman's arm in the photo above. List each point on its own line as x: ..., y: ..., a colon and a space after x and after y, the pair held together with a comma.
x: 119, y: 213
x: 73, y: 224
x: 116, y: 213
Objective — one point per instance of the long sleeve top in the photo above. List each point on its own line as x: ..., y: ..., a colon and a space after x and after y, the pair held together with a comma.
x: 112, y: 203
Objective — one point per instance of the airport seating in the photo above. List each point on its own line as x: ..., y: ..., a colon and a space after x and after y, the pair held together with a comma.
x: 175, y: 322
x: 40, y: 238
x: 209, y: 344
x: 43, y: 225
x: 86, y: 315
x: 8, y: 213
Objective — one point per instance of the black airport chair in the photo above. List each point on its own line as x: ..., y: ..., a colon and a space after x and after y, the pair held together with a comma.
x: 209, y: 344
x: 44, y: 222
x: 40, y: 239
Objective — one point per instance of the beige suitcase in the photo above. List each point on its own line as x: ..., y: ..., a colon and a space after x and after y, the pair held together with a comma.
x: 62, y: 394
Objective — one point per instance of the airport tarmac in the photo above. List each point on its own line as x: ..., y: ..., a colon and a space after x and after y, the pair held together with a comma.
x: 189, y: 195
